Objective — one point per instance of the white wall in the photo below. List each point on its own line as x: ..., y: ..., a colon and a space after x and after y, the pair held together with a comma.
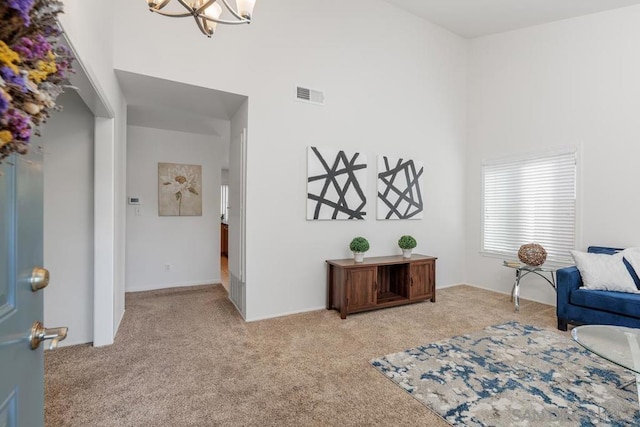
x: 190, y: 244
x: 120, y: 178
x: 394, y: 83
x: 68, y: 218
x: 89, y: 26
x: 572, y: 83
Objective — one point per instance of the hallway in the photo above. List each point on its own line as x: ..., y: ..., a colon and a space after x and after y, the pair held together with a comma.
x: 224, y: 272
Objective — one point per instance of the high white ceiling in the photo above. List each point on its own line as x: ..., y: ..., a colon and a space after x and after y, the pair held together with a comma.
x: 474, y: 18
x: 170, y: 105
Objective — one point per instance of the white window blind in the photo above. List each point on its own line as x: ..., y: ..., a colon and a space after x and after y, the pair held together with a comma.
x: 530, y: 200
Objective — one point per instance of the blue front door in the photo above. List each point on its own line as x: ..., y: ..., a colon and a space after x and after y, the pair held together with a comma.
x: 21, y: 367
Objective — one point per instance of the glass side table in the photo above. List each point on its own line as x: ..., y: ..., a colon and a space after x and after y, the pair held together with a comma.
x: 522, y: 270
x: 617, y: 344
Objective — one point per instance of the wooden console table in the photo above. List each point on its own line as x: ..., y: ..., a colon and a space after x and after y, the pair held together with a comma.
x: 379, y: 282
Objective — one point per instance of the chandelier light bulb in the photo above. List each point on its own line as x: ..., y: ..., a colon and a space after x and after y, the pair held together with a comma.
x: 214, y: 11
x: 245, y: 8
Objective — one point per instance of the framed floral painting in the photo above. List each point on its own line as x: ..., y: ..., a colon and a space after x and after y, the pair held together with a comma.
x: 179, y: 189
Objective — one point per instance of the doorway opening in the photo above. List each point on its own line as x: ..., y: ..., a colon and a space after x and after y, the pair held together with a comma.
x: 172, y: 122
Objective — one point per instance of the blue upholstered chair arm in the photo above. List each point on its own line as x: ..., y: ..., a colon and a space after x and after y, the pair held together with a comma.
x: 567, y: 280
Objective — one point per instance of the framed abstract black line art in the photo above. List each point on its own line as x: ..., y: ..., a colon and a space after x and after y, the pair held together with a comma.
x: 399, y: 188
x: 336, y: 184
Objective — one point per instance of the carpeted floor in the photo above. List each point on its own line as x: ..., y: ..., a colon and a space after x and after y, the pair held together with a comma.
x: 186, y: 358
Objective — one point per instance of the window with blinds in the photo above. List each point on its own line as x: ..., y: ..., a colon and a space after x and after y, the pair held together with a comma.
x: 531, y: 200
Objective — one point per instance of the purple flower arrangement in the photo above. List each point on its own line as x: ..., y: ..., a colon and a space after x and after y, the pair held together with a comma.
x: 33, y: 69
x: 11, y: 78
x: 30, y: 49
x: 22, y: 7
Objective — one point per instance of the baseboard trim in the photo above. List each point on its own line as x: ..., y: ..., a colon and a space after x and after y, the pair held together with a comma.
x: 527, y: 298
x: 289, y: 313
x: 150, y: 287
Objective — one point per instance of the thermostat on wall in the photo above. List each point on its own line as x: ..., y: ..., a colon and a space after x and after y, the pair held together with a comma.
x: 134, y: 200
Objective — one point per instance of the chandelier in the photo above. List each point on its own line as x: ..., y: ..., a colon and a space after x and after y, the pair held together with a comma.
x: 207, y: 12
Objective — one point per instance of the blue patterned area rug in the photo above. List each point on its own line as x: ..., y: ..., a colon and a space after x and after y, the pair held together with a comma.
x: 514, y: 375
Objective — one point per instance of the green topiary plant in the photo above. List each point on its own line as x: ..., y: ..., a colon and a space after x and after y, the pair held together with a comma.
x: 359, y: 244
x: 407, y: 242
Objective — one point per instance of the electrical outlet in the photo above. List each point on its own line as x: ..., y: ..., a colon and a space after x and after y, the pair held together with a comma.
x: 167, y: 267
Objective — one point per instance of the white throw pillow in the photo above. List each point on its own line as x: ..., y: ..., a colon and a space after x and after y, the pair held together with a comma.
x: 633, y: 256
x: 604, y: 272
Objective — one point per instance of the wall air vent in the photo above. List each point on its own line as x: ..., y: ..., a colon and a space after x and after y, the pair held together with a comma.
x: 310, y: 96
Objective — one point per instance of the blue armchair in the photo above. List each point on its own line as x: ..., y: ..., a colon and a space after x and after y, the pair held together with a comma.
x: 584, y: 306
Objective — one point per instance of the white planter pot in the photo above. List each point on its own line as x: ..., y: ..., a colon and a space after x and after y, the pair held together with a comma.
x: 358, y: 256
x: 406, y: 253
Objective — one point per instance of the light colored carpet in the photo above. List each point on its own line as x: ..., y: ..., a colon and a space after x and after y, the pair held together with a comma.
x: 185, y: 357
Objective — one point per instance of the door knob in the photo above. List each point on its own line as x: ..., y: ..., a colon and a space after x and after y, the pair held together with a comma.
x: 39, y: 278
x: 39, y: 333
